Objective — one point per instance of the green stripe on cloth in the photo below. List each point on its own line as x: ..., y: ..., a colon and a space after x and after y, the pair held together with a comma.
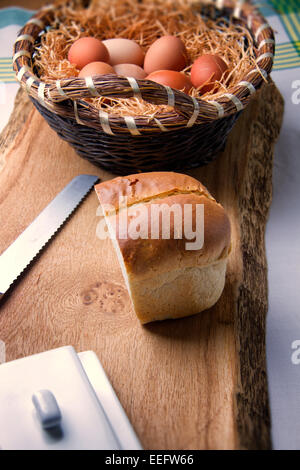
x: 287, y: 55
x: 285, y: 6
x: 291, y: 24
x: 289, y: 15
x: 287, y: 45
x: 287, y: 49
x: 6, y: 62
x: 287, y: 60
x: 286, y: 66
x: 7, y: 73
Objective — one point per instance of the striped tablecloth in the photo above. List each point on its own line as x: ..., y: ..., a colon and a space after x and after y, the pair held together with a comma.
x: 283, y: 229
x: 11, y: 19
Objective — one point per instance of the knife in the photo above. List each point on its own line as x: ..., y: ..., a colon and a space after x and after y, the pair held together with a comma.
x: 24, y: 249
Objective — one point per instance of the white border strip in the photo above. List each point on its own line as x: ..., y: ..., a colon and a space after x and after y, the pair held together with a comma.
x: 91, y: 86
x: 160, y: 125
x: 21, y: 54
x: 104, y: 121
x: 37, y: 22
x: 22, y: 71
x: 219, y: 108
x: 171, y: 96
x: 238, y: 8
x: 259, y: 70
x: 59, y: 88
x: 135, y: 87
x: 248, y: 85
x: 41, y: 93
x: 29, y: 83
x: 48, y: 93
x: 76, y: 114
x: 130, y: 123
x: 47, y: 7
x: 266, y: 41
x: 238, y: 104
x: 260, y: 30
x: 195, y: 114
x: 25, y: 37
x: 264, y: 56
x: 249, y: 22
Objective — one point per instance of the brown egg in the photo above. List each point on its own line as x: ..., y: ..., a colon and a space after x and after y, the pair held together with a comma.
x: 130, y: 70
x: 206, y: 70
x: 166, y: 53
x: 86, y: 50
x: 177, y: 80
x: 124, y: 51
x: 96, y: 68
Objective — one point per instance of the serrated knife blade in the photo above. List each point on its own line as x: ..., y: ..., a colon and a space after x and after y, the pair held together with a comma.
x: 23, y: 250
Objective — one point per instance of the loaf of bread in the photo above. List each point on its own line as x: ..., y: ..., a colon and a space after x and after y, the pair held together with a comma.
x: 170, y: 271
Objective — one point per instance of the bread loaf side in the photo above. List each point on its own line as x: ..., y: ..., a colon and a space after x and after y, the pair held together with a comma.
x: 172, y: 240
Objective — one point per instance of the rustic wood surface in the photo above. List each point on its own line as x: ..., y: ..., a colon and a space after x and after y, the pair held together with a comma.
x: 224, y: 404
x: 195, y: 383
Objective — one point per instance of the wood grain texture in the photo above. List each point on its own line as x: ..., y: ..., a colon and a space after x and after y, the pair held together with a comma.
x: 195, y: 383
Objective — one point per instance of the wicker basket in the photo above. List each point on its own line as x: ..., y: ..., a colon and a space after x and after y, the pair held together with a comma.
x: 186, y: 139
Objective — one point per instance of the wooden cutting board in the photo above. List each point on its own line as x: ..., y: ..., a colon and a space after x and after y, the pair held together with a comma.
x: 195, y: 383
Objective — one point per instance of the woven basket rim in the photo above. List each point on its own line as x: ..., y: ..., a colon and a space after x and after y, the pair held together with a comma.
x: 64, y: 97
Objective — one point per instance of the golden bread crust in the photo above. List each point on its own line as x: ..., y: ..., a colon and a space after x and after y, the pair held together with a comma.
x: 144, y: 186
x: 144, y: 257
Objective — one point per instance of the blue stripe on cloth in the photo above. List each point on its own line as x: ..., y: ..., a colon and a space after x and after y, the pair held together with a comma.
x: 265, y: 7
x: 287, y: 55
x: 7, y: 74
x: 284, y: 7
x: 12, y: 15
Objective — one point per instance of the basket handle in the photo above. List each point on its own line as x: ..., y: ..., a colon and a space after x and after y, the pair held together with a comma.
x: 111, y: 86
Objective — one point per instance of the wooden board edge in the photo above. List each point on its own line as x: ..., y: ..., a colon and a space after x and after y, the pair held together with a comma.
x: 252, y: 402
x: 11, y: 133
